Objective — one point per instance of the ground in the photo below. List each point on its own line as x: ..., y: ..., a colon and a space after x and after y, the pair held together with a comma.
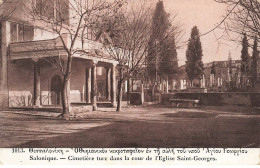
x: 147, y: 126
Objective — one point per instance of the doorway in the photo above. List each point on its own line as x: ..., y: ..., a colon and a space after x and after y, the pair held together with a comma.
x: 56, y: 86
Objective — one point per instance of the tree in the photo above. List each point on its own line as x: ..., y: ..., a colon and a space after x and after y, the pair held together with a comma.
x: 8, y: 7
x: 242, y: 17
x: 245, y: 59
x: 168, y: 63
x: 127, y: 36
x: 194, y: 65
x: 254, y: 67
x: 162, y: 60
x: 160, y: 25
x: 70, y: 22
x: 230, y: 70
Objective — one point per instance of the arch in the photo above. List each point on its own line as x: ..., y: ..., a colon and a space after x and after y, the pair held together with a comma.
x: 56, y: 87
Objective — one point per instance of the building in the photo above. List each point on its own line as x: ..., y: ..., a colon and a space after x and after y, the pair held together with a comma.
x: 29, y: 75
x: 218, y: 80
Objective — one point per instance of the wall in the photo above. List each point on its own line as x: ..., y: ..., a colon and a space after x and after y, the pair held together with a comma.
x: 78, y: 82
x: 20, y: 82
x: 47, y: 71
x: 216, y: 99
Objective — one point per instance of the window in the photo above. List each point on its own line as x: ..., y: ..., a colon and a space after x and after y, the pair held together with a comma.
x: 62, y: 11
x: 45, y: 8
x: 13, y: 32
x: 28, y: 33
x: 54, y: 9
x: 20, y: 32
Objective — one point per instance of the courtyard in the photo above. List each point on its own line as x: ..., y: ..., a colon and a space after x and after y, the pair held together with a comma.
x: 145, y: 126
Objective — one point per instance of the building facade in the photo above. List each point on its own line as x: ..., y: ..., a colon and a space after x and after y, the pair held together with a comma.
x: 30, y: 77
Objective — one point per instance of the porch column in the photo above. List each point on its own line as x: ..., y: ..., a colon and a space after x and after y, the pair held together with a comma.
x: 37, y: 84
x: 5, y: 40
x: 108, y: 83
x: 167, y: 86
x: 94, y: 86
x: 113, y: 86
x: 88, y: 85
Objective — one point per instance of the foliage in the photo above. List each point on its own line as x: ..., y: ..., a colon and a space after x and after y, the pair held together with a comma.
x: 242, y: 17
x: 162, y: 54
x: 169, y: 63
x: 254, y: 67
x: 245, y: 59
x: 127, y: 36
x: 230, y: 70
x: 194, y: 64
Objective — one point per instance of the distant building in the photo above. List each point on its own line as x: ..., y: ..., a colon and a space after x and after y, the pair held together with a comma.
x: 222, y: 80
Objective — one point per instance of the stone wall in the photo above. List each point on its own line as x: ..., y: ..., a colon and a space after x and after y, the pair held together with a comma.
x: 3, y: 100
x: 216, y: 99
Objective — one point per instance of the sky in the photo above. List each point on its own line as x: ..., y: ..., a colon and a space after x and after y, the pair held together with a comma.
x: 204, y: 14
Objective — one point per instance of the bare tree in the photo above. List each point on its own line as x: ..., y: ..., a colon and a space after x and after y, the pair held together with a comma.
x: 69, y: 21
x: 243, y: 17
x: 127, y: 40
x: 126, y: 36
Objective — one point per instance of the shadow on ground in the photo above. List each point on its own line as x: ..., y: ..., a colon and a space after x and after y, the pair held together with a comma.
x: 205, y: 131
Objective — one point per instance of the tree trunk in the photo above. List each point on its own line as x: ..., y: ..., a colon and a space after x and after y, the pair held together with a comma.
x: 65, y: 93
x: 128, y: 91
x: 119, y: 89
x: 119, y: 97
x: 153, y: 90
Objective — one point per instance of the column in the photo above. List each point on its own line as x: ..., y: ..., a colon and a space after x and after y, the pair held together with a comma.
x: 37, y: 84
x: 163, y: 86
x: 94, y: 86
x: 5, y: 40
x: 108, y: 83
x: 173, y: 84
x: 167, y: 86
x: 113, y: 86
x: 88, y: 85
x: 181, y: 81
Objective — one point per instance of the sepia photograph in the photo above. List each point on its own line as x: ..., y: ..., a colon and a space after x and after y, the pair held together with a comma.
x: 129, y: 74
